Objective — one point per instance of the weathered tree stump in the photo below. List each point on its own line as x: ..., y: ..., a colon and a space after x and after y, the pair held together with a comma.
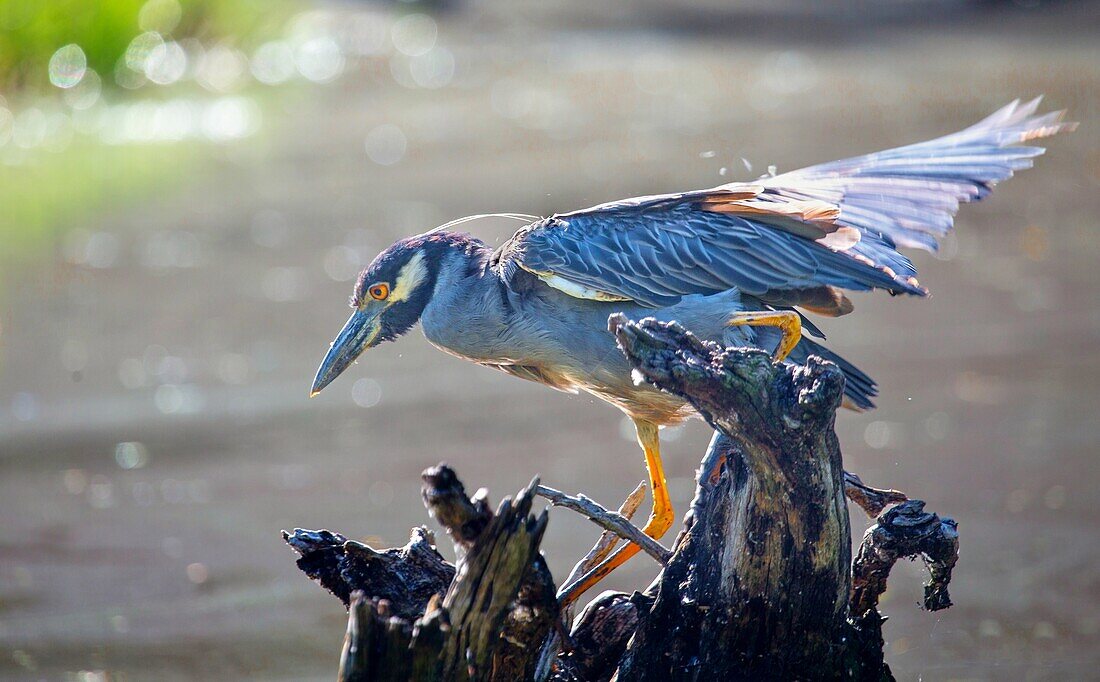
x: 760, y: 583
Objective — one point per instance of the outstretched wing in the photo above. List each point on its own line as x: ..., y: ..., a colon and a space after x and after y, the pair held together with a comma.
x: 791, y: 239
x: 911, y: 194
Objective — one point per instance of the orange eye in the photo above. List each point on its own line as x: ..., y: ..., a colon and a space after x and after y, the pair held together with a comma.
x: 379, y: 291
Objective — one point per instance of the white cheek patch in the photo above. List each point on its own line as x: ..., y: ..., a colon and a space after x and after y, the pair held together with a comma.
x: 411, y: 276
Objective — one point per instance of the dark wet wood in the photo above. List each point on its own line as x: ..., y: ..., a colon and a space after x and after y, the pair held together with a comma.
x: 760, y: 584
x: 905, y: 531
x: 760, y: 578
x: 871, y: 500
x: 413, y: 616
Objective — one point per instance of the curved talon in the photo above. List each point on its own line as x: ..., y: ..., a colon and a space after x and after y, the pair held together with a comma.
x: 787, y: 321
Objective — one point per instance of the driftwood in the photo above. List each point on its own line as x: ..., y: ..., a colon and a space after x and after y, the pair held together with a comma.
x: 760, y: 583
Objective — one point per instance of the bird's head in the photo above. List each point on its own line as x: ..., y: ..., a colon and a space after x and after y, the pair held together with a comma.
x: 390, y: 294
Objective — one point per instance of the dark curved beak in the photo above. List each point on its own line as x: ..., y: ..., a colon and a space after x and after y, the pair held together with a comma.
x: 359, y: 333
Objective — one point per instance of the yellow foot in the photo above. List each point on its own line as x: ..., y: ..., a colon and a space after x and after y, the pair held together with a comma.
x: 787, y: 321
x: 660, y: 519
x: 655, y: 528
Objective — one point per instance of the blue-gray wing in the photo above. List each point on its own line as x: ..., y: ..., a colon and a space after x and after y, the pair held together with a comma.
x: 792, y: 239
x: 911, y: 194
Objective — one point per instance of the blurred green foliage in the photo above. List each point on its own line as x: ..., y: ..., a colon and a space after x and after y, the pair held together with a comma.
x: 48, y: 192
x: 63, y: 190
x: 32, y: 30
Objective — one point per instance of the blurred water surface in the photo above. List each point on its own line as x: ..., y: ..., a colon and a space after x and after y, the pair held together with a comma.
x: 156, y: 352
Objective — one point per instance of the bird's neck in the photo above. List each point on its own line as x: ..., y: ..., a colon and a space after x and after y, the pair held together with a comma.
x: 466, y: 300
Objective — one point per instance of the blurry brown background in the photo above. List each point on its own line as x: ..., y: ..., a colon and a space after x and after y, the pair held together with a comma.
x: 178, y: 243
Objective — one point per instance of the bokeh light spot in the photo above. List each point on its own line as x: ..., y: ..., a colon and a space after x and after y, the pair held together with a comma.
x: 386, y: 144
x: 131, y: 455
x: 67, y: 66
x: 319, y: 60
x: 160, y: 15
x: 166, y: 63
x: 273, y: 63
x: 86, y: 93
x: 414, y: 34
x: 140, y: 48
x: 366, y: 392
x: 342, y: 264
x: 433, y: 69
x: 197, y: 573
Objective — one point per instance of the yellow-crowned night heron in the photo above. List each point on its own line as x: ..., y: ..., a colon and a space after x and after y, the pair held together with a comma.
x: 733, y: 264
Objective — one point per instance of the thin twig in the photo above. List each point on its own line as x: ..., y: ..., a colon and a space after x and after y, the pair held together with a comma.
x: 560, y: 639
x: 608, y: 539
x: 608, y: 520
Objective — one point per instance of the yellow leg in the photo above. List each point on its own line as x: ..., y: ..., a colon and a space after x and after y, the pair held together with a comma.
x: 660, y: 519
x: 788, y: 322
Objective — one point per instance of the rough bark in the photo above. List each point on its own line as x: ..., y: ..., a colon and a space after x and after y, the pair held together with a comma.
x: 905, y: 531
x: 484, y: 620
x: 760, y: 583
x: 770, y: 506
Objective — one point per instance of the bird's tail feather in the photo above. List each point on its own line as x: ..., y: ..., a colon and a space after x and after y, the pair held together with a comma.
x: 859, y: 389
